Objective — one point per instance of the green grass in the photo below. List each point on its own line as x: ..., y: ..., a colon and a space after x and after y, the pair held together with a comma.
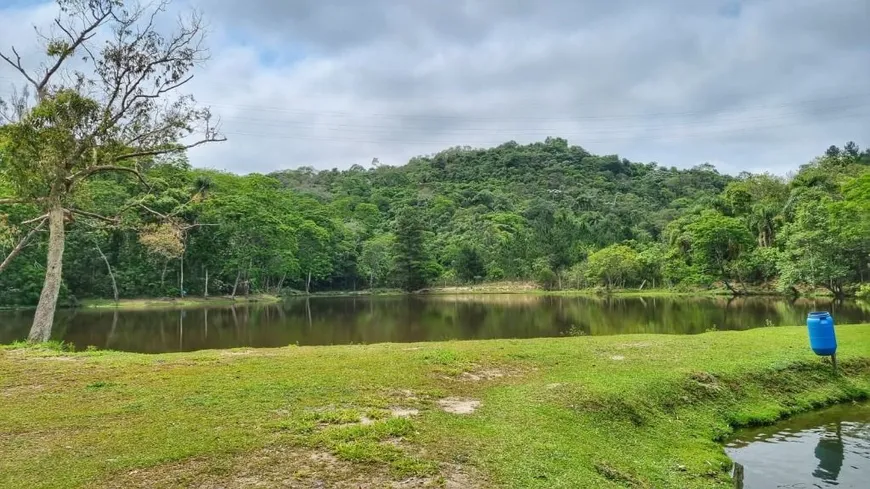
x: 602, y: 412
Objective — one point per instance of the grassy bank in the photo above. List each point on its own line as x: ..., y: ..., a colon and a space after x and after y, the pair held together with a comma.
x: 507, y: 287
x: 603, y: 412
x: 169, y: 302
x: 526, y: 288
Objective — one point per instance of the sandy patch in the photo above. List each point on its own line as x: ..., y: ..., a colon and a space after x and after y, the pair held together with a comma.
x: 479, y: 375
x: 455, y: 405
x: 235, y: 353
x: 400, y: 412
x: 638, y: 344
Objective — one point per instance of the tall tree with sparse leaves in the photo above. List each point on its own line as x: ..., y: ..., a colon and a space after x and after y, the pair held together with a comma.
x: 114, y: 114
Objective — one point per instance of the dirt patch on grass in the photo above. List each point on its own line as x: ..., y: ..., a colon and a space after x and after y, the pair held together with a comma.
x: 280, y: 467
x: 16, y: 390
x: 635, y: 344
x: 235, y: 353
x: 455, y: 405
x: 482, y: 374
x: 401, y: 412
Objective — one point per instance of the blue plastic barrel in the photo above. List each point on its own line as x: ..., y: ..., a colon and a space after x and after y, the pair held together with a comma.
x: 823, y: 341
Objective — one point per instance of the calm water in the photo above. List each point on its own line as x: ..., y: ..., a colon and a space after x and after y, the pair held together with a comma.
x: 829, y: 448
x: 326, y: 321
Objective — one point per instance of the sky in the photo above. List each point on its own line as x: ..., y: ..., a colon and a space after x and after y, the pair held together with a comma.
x: 747, y: 85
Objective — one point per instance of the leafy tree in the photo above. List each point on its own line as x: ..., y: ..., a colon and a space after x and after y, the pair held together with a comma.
x: 760, y: 200
x: 375, y: 259
x: 613, y: 265
x: 814, y: 252
x: 413, y: 267
x: 717, y: 244
x: 469, y: 265
x: 314, y: 253
x: 104, y: 120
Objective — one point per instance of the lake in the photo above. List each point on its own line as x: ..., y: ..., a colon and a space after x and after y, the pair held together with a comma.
x: 356, y: 320
x: 828, y: 448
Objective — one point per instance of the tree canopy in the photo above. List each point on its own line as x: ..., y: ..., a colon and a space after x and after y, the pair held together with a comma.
x: 543, y: 212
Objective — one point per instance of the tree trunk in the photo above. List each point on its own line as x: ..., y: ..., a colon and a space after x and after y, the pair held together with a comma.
x: 308, y: 283
x: 236, y: 284
x: 163, y: 276
x: 44, y: 317
x: 20, y: 246
x: 372, y: 281
x: 205, y: 291
x: 280, y: 284
x: 181, y: 276
x: 111, y: 275
x: 730, y: 287
x: 836, y: 289
x: 248, y: 278
x: 726, y: 282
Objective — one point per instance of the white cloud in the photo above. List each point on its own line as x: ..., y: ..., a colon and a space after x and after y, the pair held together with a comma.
x: 753, y: 85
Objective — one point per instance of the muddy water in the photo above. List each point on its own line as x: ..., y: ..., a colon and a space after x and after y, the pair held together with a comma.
x: 347, y: 320
x: 828, y: 448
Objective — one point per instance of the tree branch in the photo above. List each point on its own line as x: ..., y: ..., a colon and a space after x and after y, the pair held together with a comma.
x: 175, y: 149
x: 105, y: 169
x: 18, y: 247
x: 35, y: 219
x: 152, y: 211
x: 110, y: 220
x: 83, y: 36
x: 17, y: 65
x: 18, y: 201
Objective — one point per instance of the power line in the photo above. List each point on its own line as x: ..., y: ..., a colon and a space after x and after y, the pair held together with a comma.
x: 651, y: 125
x: 505, y: 136
x: 849, y: 99
x: 844, y: 99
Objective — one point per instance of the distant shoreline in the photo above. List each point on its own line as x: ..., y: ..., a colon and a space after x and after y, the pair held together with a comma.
x: 518, y: 288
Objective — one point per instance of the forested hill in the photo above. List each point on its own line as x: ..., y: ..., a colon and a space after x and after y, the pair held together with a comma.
x: 465, y: 190
x: 547, y: 212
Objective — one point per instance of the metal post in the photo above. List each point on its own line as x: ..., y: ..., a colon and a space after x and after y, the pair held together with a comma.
x: 834, y: 362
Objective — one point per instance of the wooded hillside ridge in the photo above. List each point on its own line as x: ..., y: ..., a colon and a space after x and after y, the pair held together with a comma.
x: 547, y: 212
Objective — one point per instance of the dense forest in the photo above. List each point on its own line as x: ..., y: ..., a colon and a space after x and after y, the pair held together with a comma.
x: 546, y: 212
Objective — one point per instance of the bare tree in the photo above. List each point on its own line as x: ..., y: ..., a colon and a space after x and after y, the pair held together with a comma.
x: 116, y: 114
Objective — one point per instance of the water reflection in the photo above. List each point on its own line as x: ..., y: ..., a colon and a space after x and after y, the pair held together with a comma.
x: 822, y: 449
x: 829, y: 452
x: 324, y: 321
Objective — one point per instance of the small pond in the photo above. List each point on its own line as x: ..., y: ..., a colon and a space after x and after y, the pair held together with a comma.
x: 828, y: 448
x: 400, y: 319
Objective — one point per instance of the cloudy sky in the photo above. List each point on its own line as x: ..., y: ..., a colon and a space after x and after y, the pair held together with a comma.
x: 760, y: 85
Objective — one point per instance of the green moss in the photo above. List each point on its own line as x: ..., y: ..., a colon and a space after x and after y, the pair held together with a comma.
x: 617, y: 411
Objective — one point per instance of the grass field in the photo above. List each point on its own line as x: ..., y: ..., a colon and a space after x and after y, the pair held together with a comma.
x: 604, y: 412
